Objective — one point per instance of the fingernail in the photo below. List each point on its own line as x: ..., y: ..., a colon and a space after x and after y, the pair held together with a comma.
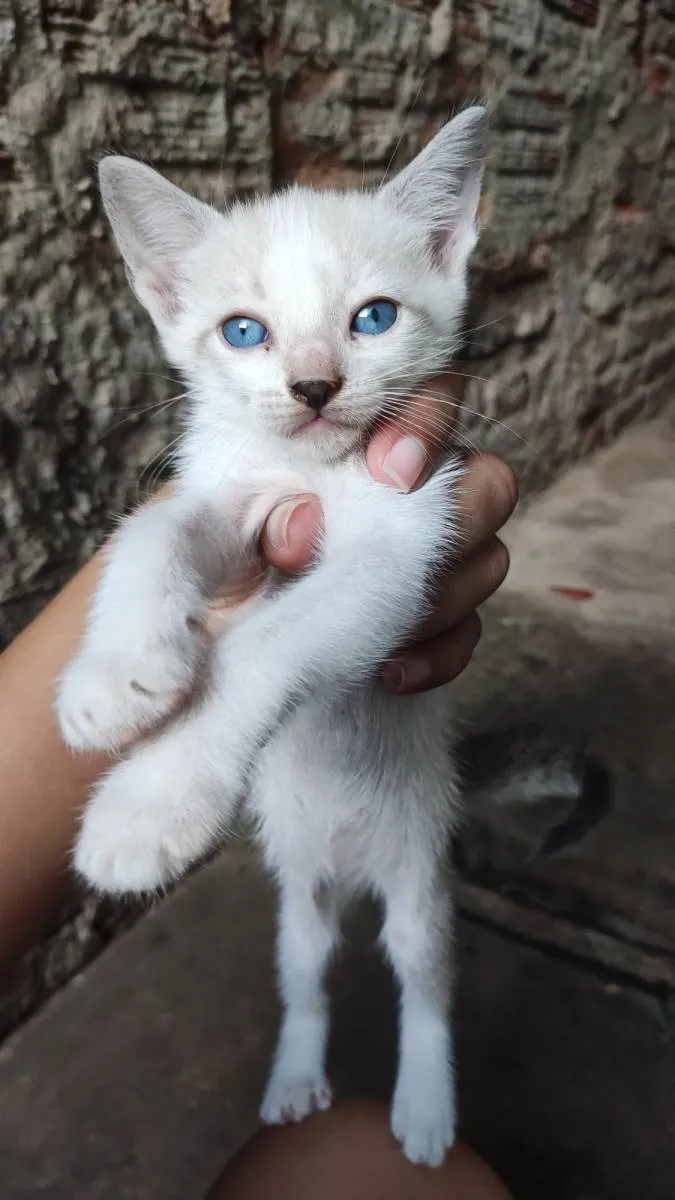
x: 405, y: 463
x: 404, y: 674
x: 280, y: 521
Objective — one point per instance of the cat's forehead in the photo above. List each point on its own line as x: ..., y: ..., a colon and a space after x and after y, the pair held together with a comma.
x: 323, y: 245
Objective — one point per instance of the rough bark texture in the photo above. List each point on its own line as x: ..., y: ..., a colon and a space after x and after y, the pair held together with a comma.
x: 575, y: 279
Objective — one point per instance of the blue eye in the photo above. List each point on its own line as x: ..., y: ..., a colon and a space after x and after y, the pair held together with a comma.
x: 244, y: 332
x: 377, y: 316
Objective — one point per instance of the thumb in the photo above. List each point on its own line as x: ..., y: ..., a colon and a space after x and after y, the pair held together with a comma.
x: 292, y: 531
x: 403, y: 450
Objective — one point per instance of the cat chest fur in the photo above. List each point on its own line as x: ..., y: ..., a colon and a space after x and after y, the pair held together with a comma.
x: 347, y: 787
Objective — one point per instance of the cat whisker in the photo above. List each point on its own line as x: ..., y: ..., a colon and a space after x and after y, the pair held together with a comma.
x: 399, y: 413
x: 446, y: 441
x: 503, y: 387
x: 167, y: 378
x: 398, y: 401
x: 452, y: 431
x: 394, y: 152
x: 469, y: 332
x: 430, y: 364
x: 442, y: 399
x: 438, y: 432
x: 158, y: 406
x: 159, y: 461
x: 430, y: 361
x: 481, y: 416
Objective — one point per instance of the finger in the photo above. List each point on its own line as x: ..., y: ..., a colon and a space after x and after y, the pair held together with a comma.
x: 467, y: 587
x: 403, y: 449
x: 487, y: 495
x: 434, y: 662
x: 292, y: 532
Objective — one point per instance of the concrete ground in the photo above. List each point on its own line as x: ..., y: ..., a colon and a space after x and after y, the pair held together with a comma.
x: 139, y: 1080
x: 579, y: 649
x: 142, y: 1076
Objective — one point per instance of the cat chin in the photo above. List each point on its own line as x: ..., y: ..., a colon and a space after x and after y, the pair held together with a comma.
x: 326, y: 439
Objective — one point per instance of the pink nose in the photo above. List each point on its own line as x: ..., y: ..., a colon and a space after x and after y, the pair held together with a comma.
x: 315, y: 393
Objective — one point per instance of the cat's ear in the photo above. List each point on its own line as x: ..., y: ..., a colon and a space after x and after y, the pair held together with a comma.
x: 155, y: 224
x: 440, y: 188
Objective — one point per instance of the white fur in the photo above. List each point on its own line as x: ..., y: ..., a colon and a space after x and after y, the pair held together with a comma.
x: 350, y: 788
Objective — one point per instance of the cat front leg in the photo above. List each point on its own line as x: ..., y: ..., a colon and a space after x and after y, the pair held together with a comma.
x: 333, y: 627
x: 156, y: 813
x: 145, y: 636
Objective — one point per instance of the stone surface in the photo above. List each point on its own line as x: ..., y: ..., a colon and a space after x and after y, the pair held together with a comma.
x: 572, y: 331
x: 579, y: 648
x: 80, y: 928
x: 142, y: 1077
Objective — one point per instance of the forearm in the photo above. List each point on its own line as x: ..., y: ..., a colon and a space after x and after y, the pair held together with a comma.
x: 42, y: 784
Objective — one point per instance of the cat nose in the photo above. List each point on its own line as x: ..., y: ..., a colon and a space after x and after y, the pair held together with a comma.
x: 316, y: 393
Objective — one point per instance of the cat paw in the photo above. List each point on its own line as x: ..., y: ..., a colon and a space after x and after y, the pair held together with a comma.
x: 292, y: 1098
x: 128, y: 843
x: 423, y: 1121
x: 104, y: 700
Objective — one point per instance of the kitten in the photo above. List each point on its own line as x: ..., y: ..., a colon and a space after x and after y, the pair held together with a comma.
x: 297, y: 321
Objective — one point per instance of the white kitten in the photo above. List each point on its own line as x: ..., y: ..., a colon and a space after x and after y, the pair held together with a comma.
x: 297, y: 321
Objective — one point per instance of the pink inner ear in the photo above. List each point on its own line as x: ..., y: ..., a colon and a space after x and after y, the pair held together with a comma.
x: 447, y: 250
x: 452, y: 244
x: 164, y: 289
x: 451, y: 247
x: 440, y: 247
x: 160, y: 287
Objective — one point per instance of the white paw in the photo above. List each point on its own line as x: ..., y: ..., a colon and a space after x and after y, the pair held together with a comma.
x: 423, y: 1121
x: 103, y: 700
x: 131, y: 842
x: 294, y: 1097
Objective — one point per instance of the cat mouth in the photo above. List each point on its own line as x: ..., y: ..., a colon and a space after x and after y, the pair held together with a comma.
x: 320, y: 423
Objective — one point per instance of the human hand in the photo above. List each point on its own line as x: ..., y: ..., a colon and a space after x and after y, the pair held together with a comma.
x: 487, y: 498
